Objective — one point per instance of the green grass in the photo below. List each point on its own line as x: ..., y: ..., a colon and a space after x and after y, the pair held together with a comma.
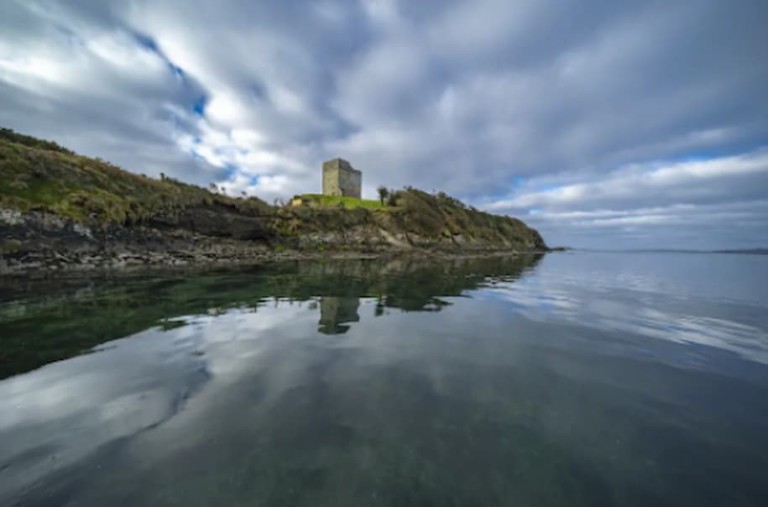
x: 339, y: 201
x: 40, y: 175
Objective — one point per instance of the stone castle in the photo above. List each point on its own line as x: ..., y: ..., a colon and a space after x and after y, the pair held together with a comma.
x: 340, y: 178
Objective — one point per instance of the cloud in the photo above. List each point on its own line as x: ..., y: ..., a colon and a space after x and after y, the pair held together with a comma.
x: 693, y: 181
x: 521, y: 106
x: 685, y: 204
x: 92, y: 87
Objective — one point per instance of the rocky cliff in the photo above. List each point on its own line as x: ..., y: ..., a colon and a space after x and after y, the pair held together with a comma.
x: 59, y: 210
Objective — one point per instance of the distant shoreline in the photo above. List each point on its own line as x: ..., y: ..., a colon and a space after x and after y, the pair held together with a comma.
x: 737, y: 251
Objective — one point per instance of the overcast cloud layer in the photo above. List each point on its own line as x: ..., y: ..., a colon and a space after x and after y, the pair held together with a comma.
x: 603, y: 123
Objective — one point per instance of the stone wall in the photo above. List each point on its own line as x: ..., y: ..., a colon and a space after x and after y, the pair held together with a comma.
x: 340, y: 178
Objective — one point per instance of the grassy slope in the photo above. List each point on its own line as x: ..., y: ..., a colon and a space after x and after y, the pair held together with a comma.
x: 433, y: 217
x: 442, y: 215
x: 40, y: 175
x: 345, y: 202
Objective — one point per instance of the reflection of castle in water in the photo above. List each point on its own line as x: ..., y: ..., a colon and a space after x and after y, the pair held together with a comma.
x: 404, y: 284
x: 336, y: 313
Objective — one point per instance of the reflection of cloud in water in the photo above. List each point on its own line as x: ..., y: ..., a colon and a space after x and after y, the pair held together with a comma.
x: 635, y: 310
x: 56, y: 415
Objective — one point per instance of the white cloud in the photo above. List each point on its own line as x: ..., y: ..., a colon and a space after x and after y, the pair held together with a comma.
x: 686, y: 181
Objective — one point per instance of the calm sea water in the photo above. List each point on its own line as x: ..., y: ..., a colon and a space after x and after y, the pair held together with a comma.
x: 576, y: 379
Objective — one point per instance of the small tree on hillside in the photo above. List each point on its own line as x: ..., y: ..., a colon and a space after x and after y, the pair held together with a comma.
x: 383, y: 194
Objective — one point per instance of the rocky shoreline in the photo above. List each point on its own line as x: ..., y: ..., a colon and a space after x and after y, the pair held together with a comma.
x: 39, y: 244
x: 113, y: 262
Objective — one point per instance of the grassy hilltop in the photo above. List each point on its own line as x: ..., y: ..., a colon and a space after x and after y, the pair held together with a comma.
x: 321, y: 200
x: 41, y: 175
x: 53, y: 200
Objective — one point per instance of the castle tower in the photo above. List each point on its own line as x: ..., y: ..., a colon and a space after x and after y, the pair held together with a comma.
x: 340, y: 178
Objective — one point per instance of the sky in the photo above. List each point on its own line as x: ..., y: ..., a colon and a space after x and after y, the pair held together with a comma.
x: 602, y: 123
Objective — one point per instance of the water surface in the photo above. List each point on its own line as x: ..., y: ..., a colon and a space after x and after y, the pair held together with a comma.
x: 576, y: 379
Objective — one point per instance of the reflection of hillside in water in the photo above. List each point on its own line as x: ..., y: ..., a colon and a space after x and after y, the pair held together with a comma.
x: 407, y: 284
x: 79, y: 314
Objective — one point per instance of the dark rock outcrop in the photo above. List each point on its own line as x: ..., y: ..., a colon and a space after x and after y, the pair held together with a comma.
x: 214, y: 222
